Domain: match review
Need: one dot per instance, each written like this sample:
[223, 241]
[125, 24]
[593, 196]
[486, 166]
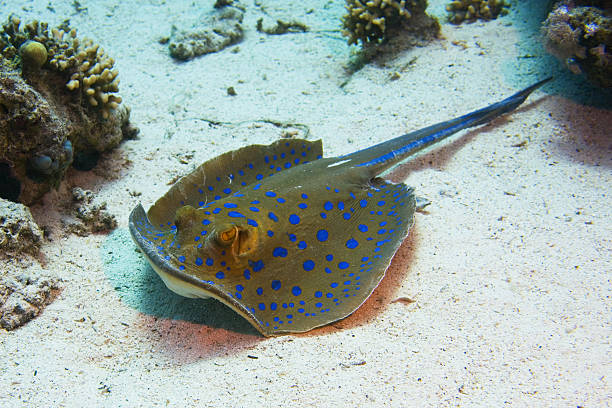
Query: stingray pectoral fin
[224, 175]
[183, 282]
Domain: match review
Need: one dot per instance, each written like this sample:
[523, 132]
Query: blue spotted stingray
[288, 239]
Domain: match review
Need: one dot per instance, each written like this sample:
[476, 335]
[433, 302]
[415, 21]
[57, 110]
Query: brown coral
[372, 21]
[470, 10]
[581, 37]
[89, 70]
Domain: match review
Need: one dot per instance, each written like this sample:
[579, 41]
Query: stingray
[286, 238]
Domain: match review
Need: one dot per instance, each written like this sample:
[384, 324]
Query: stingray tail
[385, 155]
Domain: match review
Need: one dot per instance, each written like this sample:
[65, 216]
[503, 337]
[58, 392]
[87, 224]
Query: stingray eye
[227, 236]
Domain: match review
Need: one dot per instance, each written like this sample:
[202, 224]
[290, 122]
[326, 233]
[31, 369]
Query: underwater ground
[499, 296]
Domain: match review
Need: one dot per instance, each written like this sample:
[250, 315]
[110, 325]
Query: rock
[19, 233]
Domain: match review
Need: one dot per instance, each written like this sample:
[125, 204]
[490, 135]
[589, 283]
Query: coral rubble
[89, 216]
[471, 10]
[216, 30]
[24, 296]
[55, 113]
[19, 233]
[375, 21]
[579, 33]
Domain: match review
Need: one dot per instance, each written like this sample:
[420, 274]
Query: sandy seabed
[509, 268]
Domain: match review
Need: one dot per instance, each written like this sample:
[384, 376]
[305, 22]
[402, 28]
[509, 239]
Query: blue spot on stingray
[272, 216]
[270, 194]
[303, 206]
[302, 245]
[273, 306]
[239, 288]
[205, 222]
[230, 205]
[352, 243]
[343, 265]
[220, 275]
[216, 211]
[258, 177]
[252, 222]
[322, 235]
[296, 290]
[254, 209]
[198, 261]
[318, 294]
[363, 228]
[235, 214]
[323, 215]
[381, 203]
[181, 259]
[257, 266]
[329, 257]
[279, 252]
[227, 190]
[304, 196]
[247, 274]
[341, 205]
[292, 237]
[294, 219]
[346, 216]
[308, 265]
[276, 284]
[334, 285]
[197, 238]
[281, 200]
[259, 291]
[270, 233]
[209, 261]
[262, 306]
[328, 205]
[318, 304]
[210, 188]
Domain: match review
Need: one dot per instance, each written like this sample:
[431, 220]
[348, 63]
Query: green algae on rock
[472, 10]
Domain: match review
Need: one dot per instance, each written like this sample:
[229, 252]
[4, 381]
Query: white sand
[510, 269]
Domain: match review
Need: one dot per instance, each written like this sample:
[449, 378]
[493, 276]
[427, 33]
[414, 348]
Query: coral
[23, 297]
[581, 37]
[19, 233]
[375, 21]
[33, 54]
[42, 131]
[88, 71]
[215, 31]
[471, 10]
[90, 217]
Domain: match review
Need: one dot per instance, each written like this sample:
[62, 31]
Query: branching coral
[90, 72]
[370, 21]
[470, 10]
[581, 36]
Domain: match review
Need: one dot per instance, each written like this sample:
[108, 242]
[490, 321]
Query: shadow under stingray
[141, 288]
